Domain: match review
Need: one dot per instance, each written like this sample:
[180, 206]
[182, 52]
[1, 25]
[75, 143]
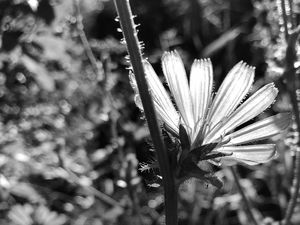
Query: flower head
[212, 121]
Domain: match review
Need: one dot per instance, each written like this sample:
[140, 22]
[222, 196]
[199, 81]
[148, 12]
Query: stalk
[244, 197]
[290, 74]
[284, 18]
[130, 35]
[96, 66]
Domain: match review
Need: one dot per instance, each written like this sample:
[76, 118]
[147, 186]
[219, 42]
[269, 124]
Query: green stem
[130, 35]
[244, 197]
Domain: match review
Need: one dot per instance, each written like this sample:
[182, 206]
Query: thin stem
[290, 74]
[75, 179]
[99, 74]
[285, 18]
[244, 197]
[130, 35]
[132, 192]
[96, 66]
[292, 15]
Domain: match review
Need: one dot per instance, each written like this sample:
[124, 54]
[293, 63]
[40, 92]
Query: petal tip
[245, 66]
[166, 54]
[272, 88]
[146, 63]
[170, 56]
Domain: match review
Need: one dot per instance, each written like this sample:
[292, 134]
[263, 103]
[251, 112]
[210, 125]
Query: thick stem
[130, 35]
[248, 207]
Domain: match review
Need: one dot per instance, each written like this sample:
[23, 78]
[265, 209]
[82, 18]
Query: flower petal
[201, 83]
[162, 101]
[263, 129]
[232, 91]
[249, 154]
[252, 107]
[177, 80]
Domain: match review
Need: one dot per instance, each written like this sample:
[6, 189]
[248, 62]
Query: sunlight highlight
[214, 120]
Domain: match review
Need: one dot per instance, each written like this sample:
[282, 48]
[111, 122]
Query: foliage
[74, 149]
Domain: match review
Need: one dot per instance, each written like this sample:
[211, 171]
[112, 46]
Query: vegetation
[75, 149]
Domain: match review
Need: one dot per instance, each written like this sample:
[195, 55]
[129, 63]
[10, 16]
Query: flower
[211, 119]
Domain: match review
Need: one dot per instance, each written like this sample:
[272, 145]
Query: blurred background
[75, 149]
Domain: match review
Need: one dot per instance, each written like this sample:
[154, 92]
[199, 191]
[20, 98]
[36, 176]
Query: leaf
[113, 213]
[200, 152]
[221, 42]
[54, 48]
[44, 216]
[184, 138]
[26, 191]
[39, 72]
[21, 214]
[216, 155]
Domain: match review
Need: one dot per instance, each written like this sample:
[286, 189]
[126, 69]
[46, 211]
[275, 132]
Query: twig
[290, 74]
[75, 179]
[285, 19]
[101, 196]
[130, 35]
[244, 197]
[292, 15]
[96, 65]
[99, 74]
[132, 192]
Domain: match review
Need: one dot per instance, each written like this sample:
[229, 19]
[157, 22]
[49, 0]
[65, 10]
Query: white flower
[209, 119]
